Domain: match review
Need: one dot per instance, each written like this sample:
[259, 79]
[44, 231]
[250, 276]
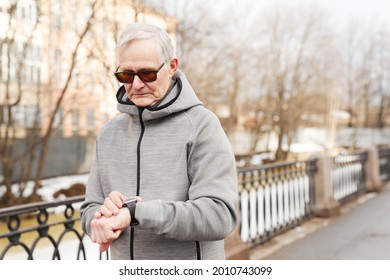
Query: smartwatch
[130, 203]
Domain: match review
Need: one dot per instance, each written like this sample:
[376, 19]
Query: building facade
[58, 59]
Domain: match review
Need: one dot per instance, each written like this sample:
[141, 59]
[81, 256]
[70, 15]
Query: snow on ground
[50, 186]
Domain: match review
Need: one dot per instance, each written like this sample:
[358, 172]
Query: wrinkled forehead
[139, 46]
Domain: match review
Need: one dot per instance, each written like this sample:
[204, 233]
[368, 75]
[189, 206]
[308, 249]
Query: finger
[117, 198]
[104, 246]
[112, 204]
[93, 230]
[97, 215]
[117, 233]
[105, 211]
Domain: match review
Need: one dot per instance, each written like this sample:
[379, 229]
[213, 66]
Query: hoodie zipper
[140, 110]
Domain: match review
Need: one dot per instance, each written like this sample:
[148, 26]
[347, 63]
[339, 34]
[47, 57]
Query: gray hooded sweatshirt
[177, 157]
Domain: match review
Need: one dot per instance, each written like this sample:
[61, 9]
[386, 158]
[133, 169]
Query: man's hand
[110, 221]
[105, 230]
[112, 204]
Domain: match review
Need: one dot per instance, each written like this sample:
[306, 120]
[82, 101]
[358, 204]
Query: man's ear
[173, 66]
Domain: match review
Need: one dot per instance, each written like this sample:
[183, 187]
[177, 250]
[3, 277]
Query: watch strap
[131, 205]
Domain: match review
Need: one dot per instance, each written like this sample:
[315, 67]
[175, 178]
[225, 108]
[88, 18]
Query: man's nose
[137, 82]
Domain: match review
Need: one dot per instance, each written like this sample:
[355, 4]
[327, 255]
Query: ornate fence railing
[384, 164]
[46, 230]
[348, 175]
[274, 198]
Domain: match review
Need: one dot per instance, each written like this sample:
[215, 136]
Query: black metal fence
[47, 230]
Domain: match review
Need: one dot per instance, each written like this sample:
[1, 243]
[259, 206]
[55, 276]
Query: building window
[22, 116]
[4, 7]
[31, 117]
[17, 115]
[75, 10]
[105, 118]
[91, 73]
[2, 114]
[27, 9]
[14, 50]
[75, 78]
[90, 120]
[4, 62]
[56, 58]
[75, 120]
[32, 64]
[56, 14]
[105, 33]
[57, 124]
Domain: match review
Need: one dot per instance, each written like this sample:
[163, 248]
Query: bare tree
[9, 133]
[215, 55]
[351, 56]
[297, 44]
[14, 73]
[366, 58]
[47, 135]
[383, 90]
[281, 73]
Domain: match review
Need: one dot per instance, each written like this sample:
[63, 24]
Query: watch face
[130, 200]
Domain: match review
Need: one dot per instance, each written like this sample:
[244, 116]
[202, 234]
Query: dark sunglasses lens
[125, 77]
[147, 77]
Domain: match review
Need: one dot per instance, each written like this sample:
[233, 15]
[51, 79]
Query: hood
[180, 97]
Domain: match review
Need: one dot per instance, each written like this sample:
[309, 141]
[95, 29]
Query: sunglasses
[146, 76]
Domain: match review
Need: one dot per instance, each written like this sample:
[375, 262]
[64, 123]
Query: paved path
[362, 231]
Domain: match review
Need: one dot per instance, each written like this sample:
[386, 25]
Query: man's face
[141, 55]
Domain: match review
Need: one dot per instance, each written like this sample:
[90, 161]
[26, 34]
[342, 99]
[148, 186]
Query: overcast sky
[359, 8]
[364, 9]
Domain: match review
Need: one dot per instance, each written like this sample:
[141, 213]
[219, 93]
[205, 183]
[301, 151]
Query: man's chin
[143, 102]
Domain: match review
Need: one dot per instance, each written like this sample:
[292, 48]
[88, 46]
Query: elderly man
[163, 184]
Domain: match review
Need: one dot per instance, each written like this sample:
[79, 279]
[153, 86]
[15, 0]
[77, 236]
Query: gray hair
[135, 31]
